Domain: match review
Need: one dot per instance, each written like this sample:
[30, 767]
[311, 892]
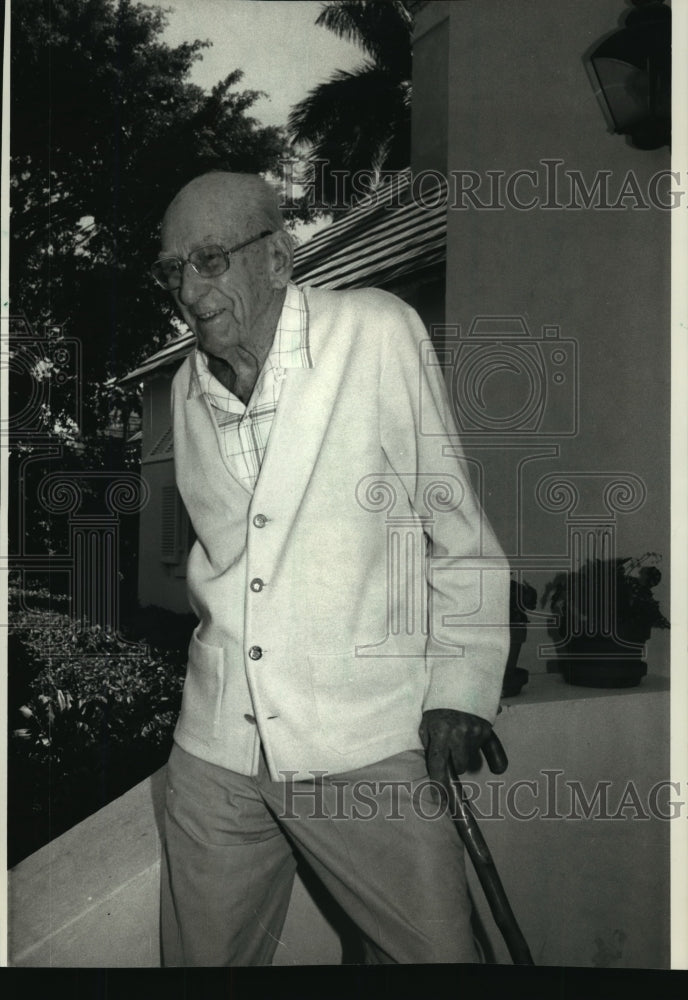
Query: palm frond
[360, 120]
[354, 122]
[382, 29]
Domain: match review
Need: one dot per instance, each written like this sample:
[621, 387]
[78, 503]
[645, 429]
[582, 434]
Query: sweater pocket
[202, 697]
[362, 700]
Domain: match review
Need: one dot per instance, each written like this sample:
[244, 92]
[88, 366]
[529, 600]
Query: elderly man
[310, 432]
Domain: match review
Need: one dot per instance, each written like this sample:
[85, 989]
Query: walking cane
[479, 853]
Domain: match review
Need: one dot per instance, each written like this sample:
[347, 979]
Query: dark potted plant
[605, 613]
[522, 598]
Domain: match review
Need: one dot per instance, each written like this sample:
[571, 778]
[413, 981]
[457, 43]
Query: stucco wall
[429, 107]
[519, 95]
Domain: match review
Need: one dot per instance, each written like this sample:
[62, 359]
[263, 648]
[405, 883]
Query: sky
[275, 42]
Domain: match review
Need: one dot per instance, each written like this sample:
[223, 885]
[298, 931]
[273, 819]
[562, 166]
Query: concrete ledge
[90, 898]
[586, 891]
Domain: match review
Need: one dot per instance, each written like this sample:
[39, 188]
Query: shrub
[96, 717]
[95, 687]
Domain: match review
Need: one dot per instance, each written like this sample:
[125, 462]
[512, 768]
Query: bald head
[240, 203]
[236, 310]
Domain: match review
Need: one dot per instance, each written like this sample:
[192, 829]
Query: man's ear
[281, 258]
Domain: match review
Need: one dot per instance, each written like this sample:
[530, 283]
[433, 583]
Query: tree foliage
[106, 127]
[360, 120]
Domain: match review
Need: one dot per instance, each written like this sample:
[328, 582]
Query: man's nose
[191, 285]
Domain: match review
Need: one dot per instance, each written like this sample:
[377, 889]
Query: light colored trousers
[229, 863]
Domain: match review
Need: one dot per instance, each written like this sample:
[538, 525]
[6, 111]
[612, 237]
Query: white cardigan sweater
[384, 591]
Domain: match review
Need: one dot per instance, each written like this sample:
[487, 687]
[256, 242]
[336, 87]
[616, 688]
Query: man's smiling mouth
[203, 317]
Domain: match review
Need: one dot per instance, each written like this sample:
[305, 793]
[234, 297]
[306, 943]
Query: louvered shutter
[170, 526]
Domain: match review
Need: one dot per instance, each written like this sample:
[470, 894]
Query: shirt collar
[290, 347]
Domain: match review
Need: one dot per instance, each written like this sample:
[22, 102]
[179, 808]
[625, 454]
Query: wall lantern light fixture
[633, 67]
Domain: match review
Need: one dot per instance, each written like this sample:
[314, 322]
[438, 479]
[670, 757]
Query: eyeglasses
[208, 261]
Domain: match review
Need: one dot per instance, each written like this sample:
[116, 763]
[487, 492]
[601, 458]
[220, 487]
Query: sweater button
[256, 585]
[260, 520]
[255, 652]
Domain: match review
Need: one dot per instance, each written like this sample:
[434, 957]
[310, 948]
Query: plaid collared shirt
[245, 429]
